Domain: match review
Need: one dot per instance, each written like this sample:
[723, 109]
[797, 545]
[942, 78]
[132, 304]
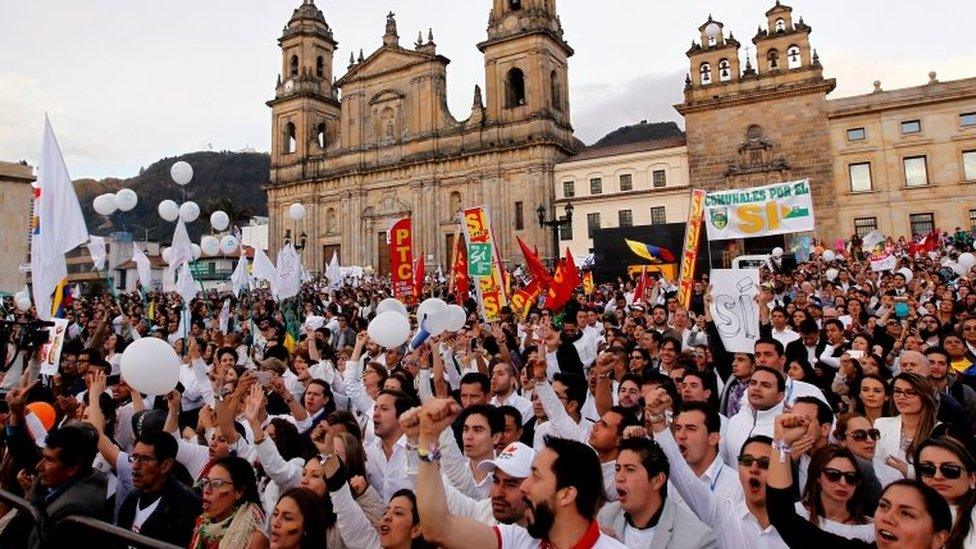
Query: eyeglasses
[861, 435]
[834, 475]
[905, 392]
[950, 471]
[133, 458]
[213, 483]
[746, 460]
[635, 357]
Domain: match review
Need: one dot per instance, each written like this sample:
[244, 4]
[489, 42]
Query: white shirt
[517, 401]
[143, 514]
[609, 470]
[722, 480]
[513, 536]
[786, 336]
[387, 475]
[743, 425]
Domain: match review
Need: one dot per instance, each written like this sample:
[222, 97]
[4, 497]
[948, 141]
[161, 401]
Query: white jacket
[741, 426]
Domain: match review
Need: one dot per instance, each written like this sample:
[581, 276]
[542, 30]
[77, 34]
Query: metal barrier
[123, 536]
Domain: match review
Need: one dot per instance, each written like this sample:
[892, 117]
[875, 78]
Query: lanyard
[711, 487]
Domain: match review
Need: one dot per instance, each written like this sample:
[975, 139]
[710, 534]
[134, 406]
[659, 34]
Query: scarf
[231, 533]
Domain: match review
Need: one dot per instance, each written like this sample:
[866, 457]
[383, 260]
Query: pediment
[385, 60]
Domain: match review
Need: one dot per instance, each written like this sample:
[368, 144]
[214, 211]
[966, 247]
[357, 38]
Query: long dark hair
[926, 421]
[418, 542]
[964, 521]
[288, 440]
[812, 492]
[314, 521]
[887, 409]
[242, 475]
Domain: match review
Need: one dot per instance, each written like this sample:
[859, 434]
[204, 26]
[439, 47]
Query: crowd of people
[620, 420]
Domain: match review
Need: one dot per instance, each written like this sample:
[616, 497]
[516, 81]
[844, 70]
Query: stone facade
[871, 145]
[379, 143]
[15, 220]
[761, 124]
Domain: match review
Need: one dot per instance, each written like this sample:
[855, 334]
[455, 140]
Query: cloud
[602, 108]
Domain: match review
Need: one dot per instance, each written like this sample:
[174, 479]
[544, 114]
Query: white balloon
[210, 245]
[168, 255]
[439, 322]
[189, 211]
[168, 210]
[391, 304]
[181, 172]
[777, 252]
[831, 274]
[229, 244]
[967, 260]
[23, 301]
[197, 251]
[829, 255]
[296, 212]
[104, 204]
[430, 308]
[458, 317]
[389, 329]
[126, 199]
[907, 273]
[219, 220]
[151, 366]
[945, 261]
[958, 268]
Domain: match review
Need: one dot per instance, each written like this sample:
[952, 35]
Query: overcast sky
[128, 82]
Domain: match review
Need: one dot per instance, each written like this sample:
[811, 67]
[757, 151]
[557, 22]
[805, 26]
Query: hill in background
[229, 181]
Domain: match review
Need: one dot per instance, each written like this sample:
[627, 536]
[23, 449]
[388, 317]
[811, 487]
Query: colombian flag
[655, 254]
[62, 298]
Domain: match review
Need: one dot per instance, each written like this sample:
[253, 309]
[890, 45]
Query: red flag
[641, 287]
[566, 280]
[460, 283]
[523, 298]
[534, 265]
[932, 241]
[418, 276]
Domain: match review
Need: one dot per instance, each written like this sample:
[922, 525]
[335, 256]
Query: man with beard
[644, 516]
[161, 507]
[736, 524]
[605, 439]
[561, 494]
[659, 323]
[503, 384]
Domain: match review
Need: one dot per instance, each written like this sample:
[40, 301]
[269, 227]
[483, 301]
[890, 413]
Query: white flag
[182, 248]
[58, 226]
[223, 318]
[263, 269]
[143, 266]
[185, 286]
[96, 247]
[239, 277]
[334, 272]
[289, 269]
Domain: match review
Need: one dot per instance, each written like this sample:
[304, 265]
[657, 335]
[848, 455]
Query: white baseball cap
[515, 460]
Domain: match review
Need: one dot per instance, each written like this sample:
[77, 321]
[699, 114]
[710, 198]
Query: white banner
[734, 309]
[883, 263]
[759, 211]
[50, 353]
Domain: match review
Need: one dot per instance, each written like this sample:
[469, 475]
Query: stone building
[905, 159]
[16, 196]
[379, 143]
[638, 178]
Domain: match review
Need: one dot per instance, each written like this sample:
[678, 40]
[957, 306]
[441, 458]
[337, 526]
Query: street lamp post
[303, 240]
[556, 223]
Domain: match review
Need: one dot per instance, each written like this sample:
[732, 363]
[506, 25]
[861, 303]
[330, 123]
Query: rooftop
[931, 92]
[635, 138]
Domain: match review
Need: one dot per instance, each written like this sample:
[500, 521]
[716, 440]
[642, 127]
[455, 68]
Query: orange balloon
[44, 412]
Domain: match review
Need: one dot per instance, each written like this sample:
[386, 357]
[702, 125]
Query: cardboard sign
[734, 309]
[50, 353]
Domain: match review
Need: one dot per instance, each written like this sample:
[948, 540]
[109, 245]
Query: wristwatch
[431, 454]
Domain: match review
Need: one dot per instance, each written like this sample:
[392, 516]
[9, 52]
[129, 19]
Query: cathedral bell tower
[305, 110]
[526, 63]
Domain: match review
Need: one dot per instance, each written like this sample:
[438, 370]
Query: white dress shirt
[517, 401]
[387, 475]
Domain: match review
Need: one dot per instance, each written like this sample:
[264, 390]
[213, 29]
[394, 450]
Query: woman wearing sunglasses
[855, 433]
[834, 494]
[947, 466]
[914, 399]
[910, 514]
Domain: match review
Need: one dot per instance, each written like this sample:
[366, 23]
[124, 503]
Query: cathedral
[377, 143]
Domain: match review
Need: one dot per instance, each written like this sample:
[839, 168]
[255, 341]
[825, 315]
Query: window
[772, 60]
[566, 231]
[972, 220]
[294, 65]
[856, 134]
[864, 225]
[455, 203]
[320, 135]
[519, 217]
[967, 119]
[515, 88]
[921, 224]
[658, 215]
[626, 182]
[596, 185]
[320, 66]
[554, 91]
[969, 165]
[569, 189]
[705, 71]
[659, 178]
[592, 223]
[724, 70]
[911, 126]
[793, 58]
[290, 138]
[780, 25]
[860, 177]
[916, 174]
[514, 5]
[625, 218]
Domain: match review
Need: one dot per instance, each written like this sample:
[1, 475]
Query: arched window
[290, 142]
[294, 65]
[772, 59]
[780, 25]
[320, 135]
[712, 40]
[793, 58]
[455, 203]
[554, 89]
[514, 5]
[320, 67]
[724, 70]
[515, 88]
[706, 74]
